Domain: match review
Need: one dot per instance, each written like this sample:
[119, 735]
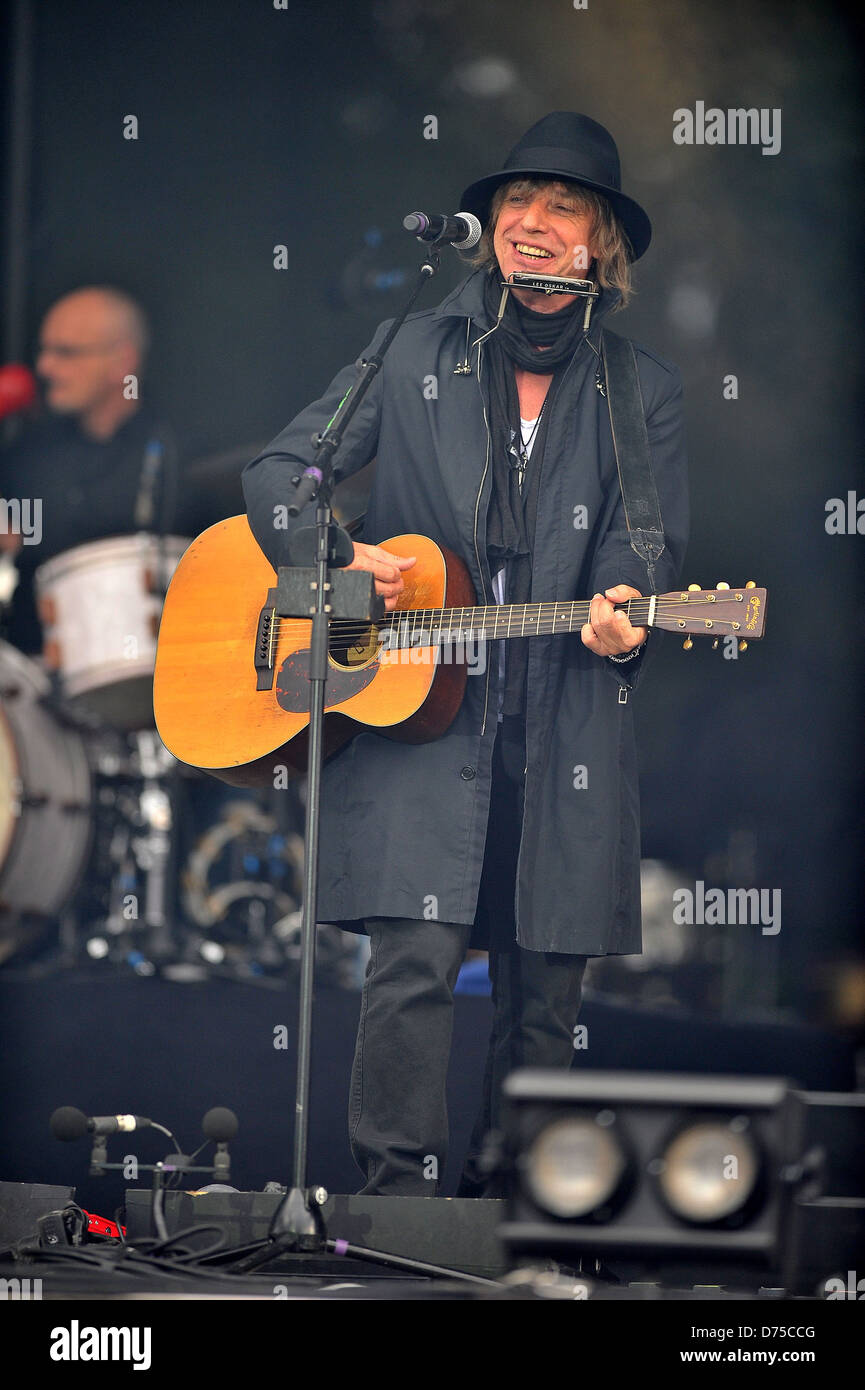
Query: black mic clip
[98, 1156]
[221, 1163]
[306, 488]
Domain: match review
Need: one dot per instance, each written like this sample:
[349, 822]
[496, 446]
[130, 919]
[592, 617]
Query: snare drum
[100, 606]
[45, 800]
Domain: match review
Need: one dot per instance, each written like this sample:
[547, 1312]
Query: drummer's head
[91, 342]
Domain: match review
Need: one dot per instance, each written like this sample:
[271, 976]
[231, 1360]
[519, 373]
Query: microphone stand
[298, 1222]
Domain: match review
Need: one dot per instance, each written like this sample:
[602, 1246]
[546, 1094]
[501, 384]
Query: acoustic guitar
[231, 687]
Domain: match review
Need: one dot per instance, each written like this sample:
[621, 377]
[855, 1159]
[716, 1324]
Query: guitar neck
[503, 620]
[720, 612]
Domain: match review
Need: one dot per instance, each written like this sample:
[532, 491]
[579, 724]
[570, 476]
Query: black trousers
[398, 1122]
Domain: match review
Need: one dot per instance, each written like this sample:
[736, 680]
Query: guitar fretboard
[501, 620]
[714, 612]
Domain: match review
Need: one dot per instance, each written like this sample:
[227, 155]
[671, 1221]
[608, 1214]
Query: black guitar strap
[631, 445]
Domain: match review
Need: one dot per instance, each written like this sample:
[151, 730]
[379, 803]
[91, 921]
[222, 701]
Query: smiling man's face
[542, 227]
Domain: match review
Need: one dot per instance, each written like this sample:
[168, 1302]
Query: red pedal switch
[101, 1226]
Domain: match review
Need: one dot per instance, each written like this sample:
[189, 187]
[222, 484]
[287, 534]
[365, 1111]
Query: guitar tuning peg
[750, 584]
[693, 588]
[743, 646]
[687, 644]
[721, 585]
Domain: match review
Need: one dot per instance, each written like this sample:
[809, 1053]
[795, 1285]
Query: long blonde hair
[612, 264]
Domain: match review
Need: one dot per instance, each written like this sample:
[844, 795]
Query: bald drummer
[99, 462]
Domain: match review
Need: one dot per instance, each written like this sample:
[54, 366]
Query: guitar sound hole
[353, 645]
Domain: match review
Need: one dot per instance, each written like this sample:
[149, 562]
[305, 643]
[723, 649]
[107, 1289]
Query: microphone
[219, 1124]
[462, 229]
[17, 389]
[68, 1123]
[145, 502]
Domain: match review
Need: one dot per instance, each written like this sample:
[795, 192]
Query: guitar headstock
[716, 613]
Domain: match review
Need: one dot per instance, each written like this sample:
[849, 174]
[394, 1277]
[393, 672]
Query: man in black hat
[517, 830]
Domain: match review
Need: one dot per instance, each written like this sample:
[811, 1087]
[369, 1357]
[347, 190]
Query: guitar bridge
[265, 646]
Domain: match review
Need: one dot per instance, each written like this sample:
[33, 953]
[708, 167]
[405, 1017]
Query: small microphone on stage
[462, 229]
[68, 1123]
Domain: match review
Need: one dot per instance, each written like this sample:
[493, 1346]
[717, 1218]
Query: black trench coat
[404, 826]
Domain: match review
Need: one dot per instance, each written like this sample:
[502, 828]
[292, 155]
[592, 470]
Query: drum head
[100, 605]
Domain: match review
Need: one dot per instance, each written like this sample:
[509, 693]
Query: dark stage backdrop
[307, 124]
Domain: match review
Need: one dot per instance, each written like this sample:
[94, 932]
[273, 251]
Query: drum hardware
[89, 834]
[76, 740]
[136, 927]
[241, 888]
[85, 826]
[240, 881]
[152, 849]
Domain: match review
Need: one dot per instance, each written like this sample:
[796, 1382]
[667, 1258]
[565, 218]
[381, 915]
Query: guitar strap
[631, 446]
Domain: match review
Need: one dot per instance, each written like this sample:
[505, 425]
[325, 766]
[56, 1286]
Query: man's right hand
[387, 569]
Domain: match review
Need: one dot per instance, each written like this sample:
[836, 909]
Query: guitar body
[209, 710]
[231, 686]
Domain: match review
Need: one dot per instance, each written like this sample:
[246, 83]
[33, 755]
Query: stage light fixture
[683, 1173]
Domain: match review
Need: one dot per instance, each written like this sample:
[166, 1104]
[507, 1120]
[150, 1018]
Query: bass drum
[46, 795]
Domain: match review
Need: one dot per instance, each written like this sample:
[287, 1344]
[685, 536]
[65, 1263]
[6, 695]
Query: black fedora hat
[565, 145]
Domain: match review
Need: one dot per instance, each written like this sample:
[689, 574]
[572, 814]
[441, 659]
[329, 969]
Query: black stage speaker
[21, 1205]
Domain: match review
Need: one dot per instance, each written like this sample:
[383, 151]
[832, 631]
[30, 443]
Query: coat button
[467, 774]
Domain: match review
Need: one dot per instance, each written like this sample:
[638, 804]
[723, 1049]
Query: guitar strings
[343, 632]
[498, 613]
[416, 619]
[493, 616]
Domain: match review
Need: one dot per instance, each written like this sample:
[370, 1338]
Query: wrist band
[630, 656]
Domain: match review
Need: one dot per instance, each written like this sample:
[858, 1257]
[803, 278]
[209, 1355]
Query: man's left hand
[608, 631]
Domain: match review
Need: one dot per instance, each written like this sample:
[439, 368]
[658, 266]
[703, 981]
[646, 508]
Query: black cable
[150, 1249]
[129, 1262]
[172, 1137]
[239, 1254]
[158, 1212]
[145, 1259]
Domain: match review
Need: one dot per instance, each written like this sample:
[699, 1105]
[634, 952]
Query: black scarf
[512, 514]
